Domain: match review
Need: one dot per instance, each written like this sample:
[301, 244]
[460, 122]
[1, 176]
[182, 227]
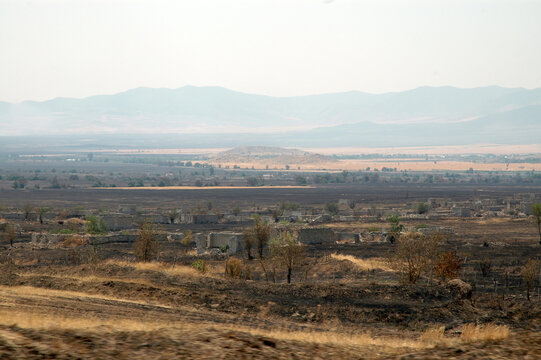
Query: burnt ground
[211, 316]
[365, 194]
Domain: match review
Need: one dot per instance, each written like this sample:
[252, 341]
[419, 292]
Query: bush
[448, 265]
[94, 225]
[200, 265]
[234, 268]
[414, 254]
[422, 208]
[331, 208]
[396, 227]
[146, 246]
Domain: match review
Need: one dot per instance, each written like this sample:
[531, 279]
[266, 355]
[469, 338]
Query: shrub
[187, 240]
[448, 265]
[414, 254]
[422, 208]
[396, 227]
[146, 246]
[200, 265]
[331, 208]
[94, 225]
[234, 268]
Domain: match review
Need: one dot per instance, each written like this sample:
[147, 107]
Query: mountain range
[215, 115]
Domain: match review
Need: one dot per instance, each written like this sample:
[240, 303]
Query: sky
[80, 48]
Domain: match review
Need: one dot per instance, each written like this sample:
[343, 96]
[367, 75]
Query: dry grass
[35, 292]
[434, 334]
[364, 264]
[34, 320]
[76, 221]
[474, 333]
[167, 269]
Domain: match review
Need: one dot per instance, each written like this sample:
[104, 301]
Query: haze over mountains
[221, 117]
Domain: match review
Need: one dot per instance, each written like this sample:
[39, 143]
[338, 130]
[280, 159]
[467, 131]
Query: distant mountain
[420, 116]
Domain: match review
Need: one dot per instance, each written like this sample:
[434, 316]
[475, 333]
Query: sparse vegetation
[95, 225]
[536, 210]
[448, 265]
[146, 247]
[396, 227]
[530, 273]
[414, 254]
[287, 251]
[488, 332]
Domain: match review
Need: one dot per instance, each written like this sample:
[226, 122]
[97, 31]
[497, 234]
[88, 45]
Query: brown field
[408, 165]
[204, 187]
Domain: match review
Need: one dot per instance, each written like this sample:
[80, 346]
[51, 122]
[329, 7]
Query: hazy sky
[275, 47]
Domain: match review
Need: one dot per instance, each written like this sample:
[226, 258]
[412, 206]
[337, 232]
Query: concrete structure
[233, 241]
[348, 237]
[462, 212]
[310, 236]
[199, 218]
[129, 209]
[117, 222]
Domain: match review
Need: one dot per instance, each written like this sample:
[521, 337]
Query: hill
[269, 155]
[212, 115]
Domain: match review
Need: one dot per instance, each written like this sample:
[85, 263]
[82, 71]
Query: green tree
[536, 209]
[331, 208]
[422, 208]
[287, 251]
[262, 232]
[301, 180]
[396, 228]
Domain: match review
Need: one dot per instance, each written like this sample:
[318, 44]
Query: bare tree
[248, 242]
[529, 273]
[287, 251]
[146, 246]
[42, 211]
[261, 234]
[27, 209]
